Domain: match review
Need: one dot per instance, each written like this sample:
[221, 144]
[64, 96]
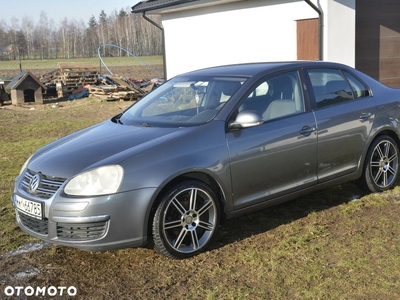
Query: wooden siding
[307, 39]
[378, 40]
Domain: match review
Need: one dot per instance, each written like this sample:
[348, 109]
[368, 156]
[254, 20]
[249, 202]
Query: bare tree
[43, 28]
[13, 38]
[81, 38]
[64, 38]
[71, 38]
[27, 25]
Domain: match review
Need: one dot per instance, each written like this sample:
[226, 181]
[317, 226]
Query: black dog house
[25, 88]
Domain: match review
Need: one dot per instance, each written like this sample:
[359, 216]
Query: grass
[335, 253]
[52, 63]
[8, 69]
[334, 244]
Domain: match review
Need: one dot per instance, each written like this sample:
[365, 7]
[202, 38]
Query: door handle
[365, 116]
[307, 130]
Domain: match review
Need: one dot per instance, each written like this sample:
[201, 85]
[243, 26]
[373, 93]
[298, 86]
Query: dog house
[25, 88]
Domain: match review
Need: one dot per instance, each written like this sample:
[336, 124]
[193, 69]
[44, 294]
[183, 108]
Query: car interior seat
[283, 102]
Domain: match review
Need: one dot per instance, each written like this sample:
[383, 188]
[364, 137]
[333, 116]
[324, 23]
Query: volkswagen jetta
[210, 144]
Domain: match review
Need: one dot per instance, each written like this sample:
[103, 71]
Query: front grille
[48, 185]
[83, 231]
[36, 225]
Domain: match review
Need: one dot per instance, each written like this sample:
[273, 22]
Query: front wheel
[382, 165]
[186, 220]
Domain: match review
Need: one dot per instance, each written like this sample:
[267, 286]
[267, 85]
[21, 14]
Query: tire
[381, 165]
[186, 220]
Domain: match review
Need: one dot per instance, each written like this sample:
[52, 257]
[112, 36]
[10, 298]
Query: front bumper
[93, 224]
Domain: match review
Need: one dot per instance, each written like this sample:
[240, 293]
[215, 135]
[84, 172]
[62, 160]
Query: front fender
[203, 150]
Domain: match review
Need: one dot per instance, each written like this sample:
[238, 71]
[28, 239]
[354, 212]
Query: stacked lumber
[74, 75]
[70, 77]
[117, 88]
[49, 77]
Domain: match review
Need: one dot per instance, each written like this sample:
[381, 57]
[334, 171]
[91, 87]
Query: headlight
[25, 164]
[99, 181]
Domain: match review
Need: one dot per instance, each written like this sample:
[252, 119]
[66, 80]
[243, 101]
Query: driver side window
[276, 97]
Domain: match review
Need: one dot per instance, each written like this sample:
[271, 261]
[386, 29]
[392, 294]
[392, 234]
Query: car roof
[252, 69]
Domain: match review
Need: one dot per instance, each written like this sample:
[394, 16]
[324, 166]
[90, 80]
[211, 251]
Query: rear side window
[329, 87]
[360, 89]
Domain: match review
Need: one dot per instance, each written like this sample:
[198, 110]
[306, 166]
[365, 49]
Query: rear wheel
[381, 165]
[186, 220]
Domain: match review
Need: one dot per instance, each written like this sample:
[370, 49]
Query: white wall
[340, 32]
[248, 31]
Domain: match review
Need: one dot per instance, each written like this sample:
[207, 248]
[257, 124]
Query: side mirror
[245, 119]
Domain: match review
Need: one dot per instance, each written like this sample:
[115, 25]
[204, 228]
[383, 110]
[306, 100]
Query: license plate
[31, 208]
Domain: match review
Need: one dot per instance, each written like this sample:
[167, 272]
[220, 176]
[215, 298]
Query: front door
[280, 156]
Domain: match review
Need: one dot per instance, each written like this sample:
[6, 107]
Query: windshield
[182, 101]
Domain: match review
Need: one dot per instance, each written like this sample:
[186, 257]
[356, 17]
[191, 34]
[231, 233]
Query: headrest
[229, 88]
[334, 86]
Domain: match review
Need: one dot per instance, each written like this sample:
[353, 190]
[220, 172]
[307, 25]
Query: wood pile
[74, 75]
[70, 77]
[117, 88]
[49, 78]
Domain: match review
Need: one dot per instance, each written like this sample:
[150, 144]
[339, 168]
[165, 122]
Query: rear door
[344, 110]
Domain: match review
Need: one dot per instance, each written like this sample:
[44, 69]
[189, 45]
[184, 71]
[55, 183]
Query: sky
[58, 10]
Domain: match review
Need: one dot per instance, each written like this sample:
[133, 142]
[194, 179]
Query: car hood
[102, 144]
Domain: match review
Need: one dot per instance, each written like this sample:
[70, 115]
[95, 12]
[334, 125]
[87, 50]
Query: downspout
[163, 41]
[320, 29]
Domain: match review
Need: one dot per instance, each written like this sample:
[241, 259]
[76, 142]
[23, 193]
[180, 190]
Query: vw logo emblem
[35, 182]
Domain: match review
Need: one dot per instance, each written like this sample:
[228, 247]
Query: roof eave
[158, 6]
